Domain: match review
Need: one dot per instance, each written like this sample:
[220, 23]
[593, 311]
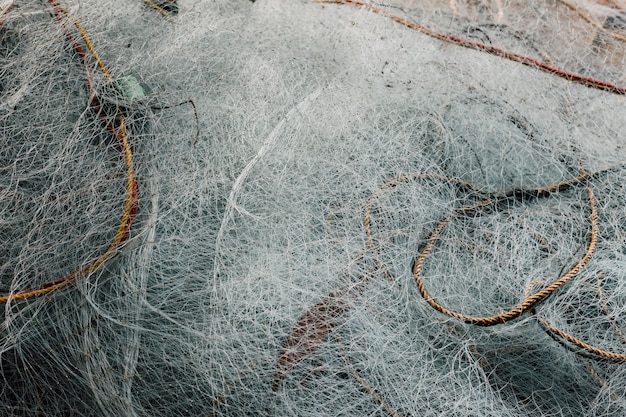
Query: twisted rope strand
[510, 55]
[132, 190]
[518, 194]
[583, 345]
[528, 302]
[367, 219]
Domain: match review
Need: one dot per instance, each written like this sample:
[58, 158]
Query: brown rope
[367, 218]
[490, 200]
[529, 301]
[558, 333]
[583, 345]
[318, 322]
[510, 55]
[519, 193]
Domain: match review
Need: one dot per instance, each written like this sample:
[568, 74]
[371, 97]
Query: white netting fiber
[312, 208]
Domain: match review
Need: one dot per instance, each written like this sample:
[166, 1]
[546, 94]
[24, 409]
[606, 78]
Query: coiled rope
[488, 201]
[530, 301]
[492, 50]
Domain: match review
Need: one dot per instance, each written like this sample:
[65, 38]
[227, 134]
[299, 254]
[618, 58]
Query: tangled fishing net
[312, 208]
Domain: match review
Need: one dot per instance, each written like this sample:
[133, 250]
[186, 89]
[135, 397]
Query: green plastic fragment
[129, 88]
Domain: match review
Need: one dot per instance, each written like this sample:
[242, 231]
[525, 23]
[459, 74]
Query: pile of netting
[306, 208]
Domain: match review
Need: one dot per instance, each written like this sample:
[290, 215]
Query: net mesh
[236, 208]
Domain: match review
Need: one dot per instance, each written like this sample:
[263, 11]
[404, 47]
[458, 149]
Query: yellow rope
[129, 204]
[83, 33]
[489, 200]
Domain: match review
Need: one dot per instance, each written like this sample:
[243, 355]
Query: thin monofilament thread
[605, 307]
[528, 302]
[367, 218]
[581, 344]
[512, 56]
[317, 323]
[271, 271]
[592, 22]
[299, 335]
[58, 7]
[269, 142]
[366, 387]
[557, 333]
[131, 201]
[156, 7]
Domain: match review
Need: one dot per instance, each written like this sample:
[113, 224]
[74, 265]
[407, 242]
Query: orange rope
[513, 56]
[131, 201]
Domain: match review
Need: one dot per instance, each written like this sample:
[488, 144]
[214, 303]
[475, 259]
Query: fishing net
[305, 208]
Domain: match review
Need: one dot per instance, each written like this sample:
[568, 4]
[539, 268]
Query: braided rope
[583, 345]
[518, 193]
[367, 219]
